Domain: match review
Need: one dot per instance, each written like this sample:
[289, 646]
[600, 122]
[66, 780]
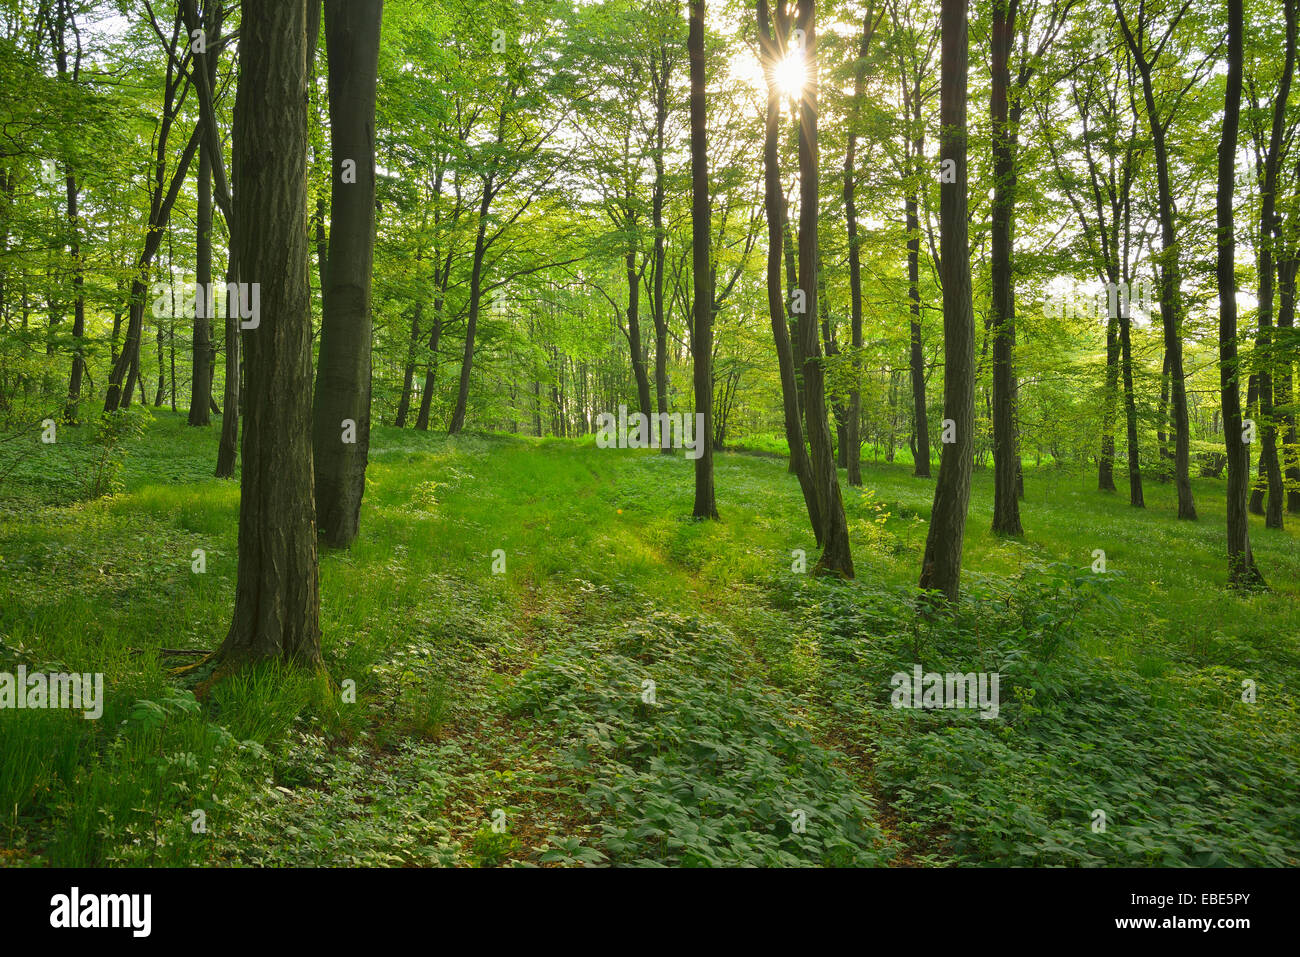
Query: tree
[1242, 571]
[277, 596]
[1005, 118]
[941, 566]
[1102, 197]
[341, 407]
[870, 21]
[772, 44]
[163, 193]
[1269, 463]
[914, 59]
[1006, 105]
[63, 19]
[201, 351]
[210, 137]
[1171, 306]
[706, 505]
[836, 557]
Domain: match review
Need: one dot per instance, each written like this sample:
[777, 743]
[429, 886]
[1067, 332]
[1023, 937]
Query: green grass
[523, 692]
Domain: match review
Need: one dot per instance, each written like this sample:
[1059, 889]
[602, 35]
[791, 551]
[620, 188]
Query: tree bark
[1171, 308]
[916, 357]
[408, 370]
[1269, 462]
[706, 505]
[123, 376]
[201, 340]
[836, 557]
[774, 203]
[941, 566]
[660, 73]
[277, 597]
[1006, 503]
[1242, 571]
[343, 369]
[852, 438]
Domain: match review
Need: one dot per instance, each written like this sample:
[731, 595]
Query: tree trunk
[774, 202]
[228, 445]
[201, 340]
[706, 505]
[1171, 308]
[920, 420]
[123, 376]
[1242, 571]
[475, 300]
[1135, 498]
[1269, 462]
[341, 409]
[941, 566]
[1006, 458]
[852, 438]
[634, 332]
[1287, 268]
[277, 597]
[660, 77]
[431, 369]
[408, 370]
[836, 557]
[78, 302]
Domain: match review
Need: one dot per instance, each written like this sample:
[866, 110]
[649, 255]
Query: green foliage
[1186, 773]
[101, 474]
[711, 772]
[523, 691]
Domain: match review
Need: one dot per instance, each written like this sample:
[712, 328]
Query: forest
[610, 433]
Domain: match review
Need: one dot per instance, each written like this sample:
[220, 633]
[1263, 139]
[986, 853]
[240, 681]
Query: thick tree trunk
[1242, 571]
[341, 408]
[702, 328]
[836, 557]
[277, 597]
[774, 203]
[1006, 458]
[941, 566]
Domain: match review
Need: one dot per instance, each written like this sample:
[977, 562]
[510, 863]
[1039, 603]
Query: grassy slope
[523, 692]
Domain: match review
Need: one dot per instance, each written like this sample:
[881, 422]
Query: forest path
[606, 587]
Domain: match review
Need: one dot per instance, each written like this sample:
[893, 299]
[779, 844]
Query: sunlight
[790, 74]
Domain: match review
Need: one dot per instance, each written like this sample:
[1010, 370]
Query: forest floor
[635, 687]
